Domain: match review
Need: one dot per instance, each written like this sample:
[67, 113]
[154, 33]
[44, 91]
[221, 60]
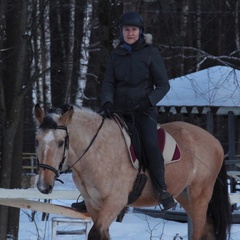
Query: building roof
[216, 87]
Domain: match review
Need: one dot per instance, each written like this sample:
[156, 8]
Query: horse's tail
[219, 209]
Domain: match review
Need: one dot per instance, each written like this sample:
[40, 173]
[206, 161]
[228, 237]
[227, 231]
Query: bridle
[66, 147]
[59, 171]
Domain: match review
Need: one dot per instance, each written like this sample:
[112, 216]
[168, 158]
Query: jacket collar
[146, 36]
[123, 48]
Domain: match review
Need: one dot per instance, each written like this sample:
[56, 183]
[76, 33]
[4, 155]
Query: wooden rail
[31, 159]
[234, 174]
[44, 207]
[23, 198]
[32, 193]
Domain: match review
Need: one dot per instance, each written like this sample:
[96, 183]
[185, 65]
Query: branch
[33, 78]
[204, 56]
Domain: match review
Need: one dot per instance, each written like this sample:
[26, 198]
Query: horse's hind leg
[196, 206]
[199, 206]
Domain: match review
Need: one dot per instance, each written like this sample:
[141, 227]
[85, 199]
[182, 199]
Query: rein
[88, 147]
[59, 171]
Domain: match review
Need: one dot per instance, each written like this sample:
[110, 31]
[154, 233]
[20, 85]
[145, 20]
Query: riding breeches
[147, 124]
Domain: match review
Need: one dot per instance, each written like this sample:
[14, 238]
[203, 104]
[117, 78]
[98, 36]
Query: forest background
[55, 52]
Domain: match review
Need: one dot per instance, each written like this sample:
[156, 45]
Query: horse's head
[51, 144]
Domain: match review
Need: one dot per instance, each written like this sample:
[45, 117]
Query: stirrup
[166, 200]
[80, 206]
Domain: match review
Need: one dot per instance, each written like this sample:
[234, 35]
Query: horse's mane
[49, 120]
[60, 110]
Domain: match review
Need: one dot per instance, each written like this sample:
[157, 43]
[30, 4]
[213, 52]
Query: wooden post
[231, 149]
[189, 228]
[210, 126]
[231, 138]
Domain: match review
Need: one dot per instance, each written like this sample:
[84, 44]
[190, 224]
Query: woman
[135, 81]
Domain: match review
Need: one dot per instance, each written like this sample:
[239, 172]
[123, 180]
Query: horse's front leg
[103, 219]
[96, 234]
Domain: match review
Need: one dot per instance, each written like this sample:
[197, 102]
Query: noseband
[66, 147]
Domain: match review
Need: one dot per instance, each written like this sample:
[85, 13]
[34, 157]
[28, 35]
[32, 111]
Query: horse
[102, 171]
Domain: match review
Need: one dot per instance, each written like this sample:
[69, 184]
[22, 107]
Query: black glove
[107, 109]
[143, 105]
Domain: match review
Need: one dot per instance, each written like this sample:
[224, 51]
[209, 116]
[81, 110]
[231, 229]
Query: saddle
[167, 144]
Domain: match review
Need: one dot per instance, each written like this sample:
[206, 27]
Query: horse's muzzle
[44, 188]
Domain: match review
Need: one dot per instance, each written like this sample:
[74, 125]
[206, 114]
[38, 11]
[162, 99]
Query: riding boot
[157, 173]
[147, 123]
[80, 206]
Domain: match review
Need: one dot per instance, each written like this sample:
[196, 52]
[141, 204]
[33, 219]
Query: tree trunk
[237, 34]
[44, 50]
[16, 174]
[2, 34]
[199, 28]
[13, 84]
[88, 9]
[220, 27]
[58, 52]
[103, 32]
[70, 55]
[184, 27]
[131, 5]
[77, 51]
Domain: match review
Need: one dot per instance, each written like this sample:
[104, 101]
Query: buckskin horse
[102, 171]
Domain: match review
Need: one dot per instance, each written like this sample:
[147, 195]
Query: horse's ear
[39, 113]
[66, 117]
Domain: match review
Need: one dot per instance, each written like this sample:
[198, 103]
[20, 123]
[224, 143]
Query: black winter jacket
[133, 76]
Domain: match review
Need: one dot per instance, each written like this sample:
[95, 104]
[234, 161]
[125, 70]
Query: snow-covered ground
[134, 226]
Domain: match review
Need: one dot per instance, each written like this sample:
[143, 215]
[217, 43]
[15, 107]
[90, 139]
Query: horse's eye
[60, 144]
[36, 143]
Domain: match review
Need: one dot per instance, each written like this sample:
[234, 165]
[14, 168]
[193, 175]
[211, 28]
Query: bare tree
[58, 15]
[2, 37]
[70, 55]
[199, 27]
[131, 5]
[66, 24]
[103, 28]
[40, 33]
[237, 26]
[14, 87]
[83, 66]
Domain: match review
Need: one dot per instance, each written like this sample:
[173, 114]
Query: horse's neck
[82, 129]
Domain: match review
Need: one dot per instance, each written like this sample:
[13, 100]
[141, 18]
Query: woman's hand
[143, 105]
[107, 109]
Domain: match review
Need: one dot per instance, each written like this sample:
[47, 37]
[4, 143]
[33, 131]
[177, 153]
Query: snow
[134, 225]
[217, 86]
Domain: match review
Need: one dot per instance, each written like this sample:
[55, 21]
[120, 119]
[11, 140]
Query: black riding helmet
[131, 19]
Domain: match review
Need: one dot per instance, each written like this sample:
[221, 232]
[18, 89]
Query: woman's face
[130, 34]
